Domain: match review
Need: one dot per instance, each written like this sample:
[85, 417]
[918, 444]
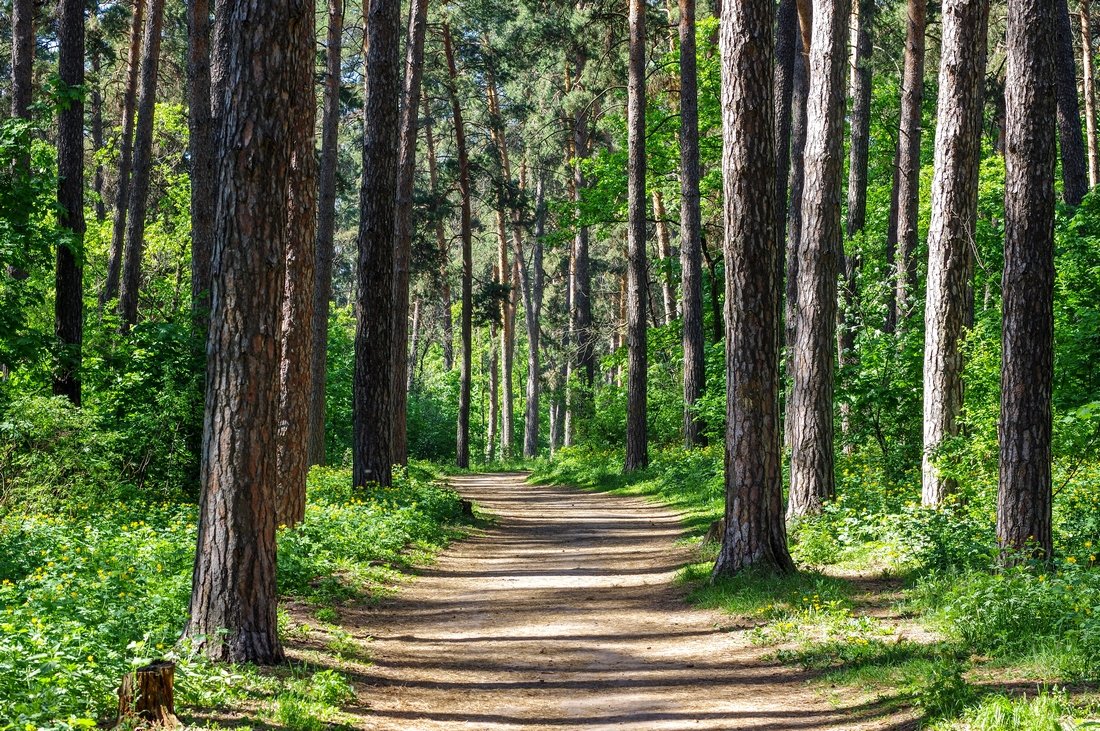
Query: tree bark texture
[442, 245]
[532, 309]
[583, 367]
[69, 275]
[326, 227]
[664, 251]
[96, 94]
[233, 596]
[800, 83]
[786, 47]
[1088, 74]
[493, 390]
[637, 453]
[466, 232]
[406, 176]
[372, 455]
[754, 534]
[691, 264]
[22, 57]
[143, 167]
[126, 153]
[812, 473]
[951, 231]
[909, 137]
[203, 158]
[296, 342]
[1027, 339]
[1075, 180]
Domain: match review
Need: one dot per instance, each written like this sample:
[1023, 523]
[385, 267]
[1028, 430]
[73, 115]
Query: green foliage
[1044, 712]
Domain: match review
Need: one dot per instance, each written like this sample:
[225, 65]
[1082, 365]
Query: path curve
[565, 614]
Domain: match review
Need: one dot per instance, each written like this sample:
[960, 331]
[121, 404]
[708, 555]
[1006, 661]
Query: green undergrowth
[87, 594]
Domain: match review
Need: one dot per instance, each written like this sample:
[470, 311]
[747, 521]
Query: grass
[86, 596]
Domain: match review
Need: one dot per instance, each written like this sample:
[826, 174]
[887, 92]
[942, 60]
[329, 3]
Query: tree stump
[716, 533]
[146, 694]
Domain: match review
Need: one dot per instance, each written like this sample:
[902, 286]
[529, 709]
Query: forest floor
[564, 612]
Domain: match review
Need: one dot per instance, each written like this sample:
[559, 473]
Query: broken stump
[146, 694]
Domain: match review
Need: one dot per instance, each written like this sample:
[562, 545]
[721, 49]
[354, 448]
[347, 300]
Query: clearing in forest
[565, 613]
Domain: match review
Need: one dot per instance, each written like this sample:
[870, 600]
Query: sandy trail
[565, 615]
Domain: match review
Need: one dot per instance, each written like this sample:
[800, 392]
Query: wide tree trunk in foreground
[203, 157]
[1088, 74]
[1075, 181]
[951, 232]
[125, 156]
[406, 175]
[296, 342]
[326, 227]
[1024, 494]
[69, 276]
[691, 257]
[909, 136]
[811, 429]
[372, 454]
[466, 233]
[637, 454]
[143, 167]
[754, 531]
[233, 598]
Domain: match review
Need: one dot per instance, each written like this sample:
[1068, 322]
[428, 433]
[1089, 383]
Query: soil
[565, 613]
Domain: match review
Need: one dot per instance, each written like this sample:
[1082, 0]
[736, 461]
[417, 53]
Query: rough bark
[909, 136]
[414, 344]
[664, 251]
[466, 233]
[786, 47]
[126, 152]
[203, 157]
[372, 455]
[811, 429]
[296, 342]
[441, 243]
[97, 128]
[691, 265]
[1088, 82]
[951, 231]
[532, 310]
[1075, 180]
[69, 275]
[1024, 494]
[143, 167]
[233, 597]
[754, 532]
[406, 175]
[326, 227]
[637, 453]
[800, 88]
[22, 57]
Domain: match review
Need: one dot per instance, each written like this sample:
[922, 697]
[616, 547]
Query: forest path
[564, 614]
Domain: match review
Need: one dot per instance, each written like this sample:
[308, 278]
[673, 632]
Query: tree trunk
[203, 158]
[22, 57]
[406, 175]
[97, 128]
[1024, 495]
[507, 328]
[578, 404]
[147, 693]
[372, 456]
[951, 231]
[69, 280]
[143, 167]
[664, 251]
[812, 473]
[233, 597]
[691, 265]
[442, 246]
[754, 532]
[786, 47]
[126, 151]
[800, 84]
[494, 392]
[296, 341]
[912, 95]
[1089, 84]
[326, 227]
[414, 344]
[1075, 181]
[637, 453]
[465, 226]
[532, 310]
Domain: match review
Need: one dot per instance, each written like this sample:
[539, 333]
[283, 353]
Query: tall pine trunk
[1088, 74]
[296, 342]
[326, 227]
[908, 158]
[372, 455]
[462, 446]
[406, 174]
[532, 310]
[233, 596]
[69, 275]
[754, 531]
[664, 252]
[1075, 180]
[951, 231]
[125, 157]
[637, 453]
[819, 251]
[203, 158]
[22, 57]
[1027, 339]
[800, 84]
[442, 246]
[96, 96]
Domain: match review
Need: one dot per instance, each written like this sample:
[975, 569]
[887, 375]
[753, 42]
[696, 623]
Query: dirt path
[565, 615]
